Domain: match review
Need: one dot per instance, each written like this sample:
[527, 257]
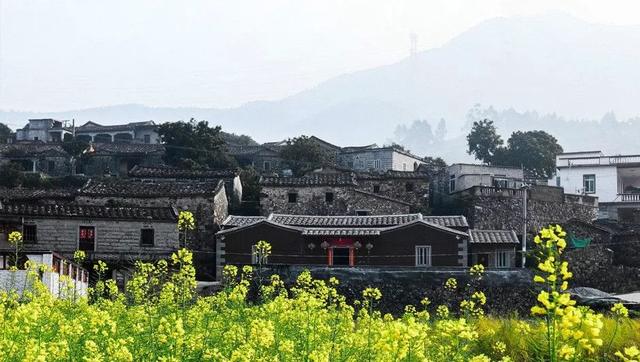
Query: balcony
[635, 197]
[620, 160]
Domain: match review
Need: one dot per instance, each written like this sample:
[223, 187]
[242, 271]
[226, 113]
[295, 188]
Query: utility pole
[525, 188]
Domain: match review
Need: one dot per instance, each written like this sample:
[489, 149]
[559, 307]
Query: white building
[373, 158]
[463, 176]
[615, 180]
[45, 130]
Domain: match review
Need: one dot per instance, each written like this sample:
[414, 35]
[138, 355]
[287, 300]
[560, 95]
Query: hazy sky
[64, 54]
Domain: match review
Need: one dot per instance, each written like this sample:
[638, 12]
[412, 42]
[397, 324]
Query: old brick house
[231, 178]
[325, 194]
[332, 191]
[111, 233]
[206, 199]
[116, 159]
[38, 157]
[408, 240]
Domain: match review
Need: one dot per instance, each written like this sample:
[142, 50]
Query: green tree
[303, 154]
[11, 175]
[535, 151]
[483, 141]
[194, 145]
[74, 146]
[5, 133]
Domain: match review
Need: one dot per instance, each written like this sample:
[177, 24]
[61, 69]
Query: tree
[483, 141]
[194, 145]
[11, 175]
[441, 131]
[74, 146]
[303, 154]
[5, 133]
[535, 151]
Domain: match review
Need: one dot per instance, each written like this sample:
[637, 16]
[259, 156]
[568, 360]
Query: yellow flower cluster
[451, 284]
[186, 221]
[15, 237]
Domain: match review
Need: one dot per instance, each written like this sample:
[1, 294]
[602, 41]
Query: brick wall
[113, 237]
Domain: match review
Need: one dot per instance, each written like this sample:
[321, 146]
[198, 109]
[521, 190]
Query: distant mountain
[551, 64]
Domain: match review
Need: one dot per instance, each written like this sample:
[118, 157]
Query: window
[362, 212]
[30, 234]
[408, 186]
[500, 183]
[502, 259]
[452, 183]
[35, 138]
[328, 197]
[376, 189]
[51, 166]
[87, 238]
[147, 138]
[147, 237]
[558, 181]
[404, 166]
[293, 197]
[423, 255]
[266, 166]
[589, 184]
[376, 164]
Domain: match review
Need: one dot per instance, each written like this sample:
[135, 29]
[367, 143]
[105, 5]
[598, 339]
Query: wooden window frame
[153, 237]
[419, 256]
[95, 236]
[25, 233]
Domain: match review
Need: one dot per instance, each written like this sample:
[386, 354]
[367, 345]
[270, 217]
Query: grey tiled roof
[173, 173]
[31, 149]
[316, 179]
[451, 221]
[138, 188]
[493, 237]
[88, 211]
[391, 174]
[341, 231]
[344, 221]
[19, 193]
[124, 148]
[233, 220]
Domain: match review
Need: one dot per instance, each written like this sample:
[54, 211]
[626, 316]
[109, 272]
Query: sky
[73, 54]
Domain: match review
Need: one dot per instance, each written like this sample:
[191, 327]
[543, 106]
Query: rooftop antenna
[414, 44]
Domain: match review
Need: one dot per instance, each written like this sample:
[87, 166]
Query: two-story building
[462, 176]
[614, 179]
[133, 132]
[44, 130]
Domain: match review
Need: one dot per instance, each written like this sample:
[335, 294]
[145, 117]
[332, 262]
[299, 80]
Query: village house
[37, 157]
[133, 132]
[614, 180]
[231, 178]
[408, 240]
[44, 130]
[206, 199]
[117, 159]
[462, 176]
[109, 233]
[378, 159]
[342, 194]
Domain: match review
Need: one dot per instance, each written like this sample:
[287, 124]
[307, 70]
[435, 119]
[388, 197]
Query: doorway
[341, 256]
[483, 259]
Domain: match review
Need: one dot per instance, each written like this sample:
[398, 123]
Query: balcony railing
[629, 197]
[598, 161]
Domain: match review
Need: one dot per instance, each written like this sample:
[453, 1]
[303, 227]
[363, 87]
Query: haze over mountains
[550, 72]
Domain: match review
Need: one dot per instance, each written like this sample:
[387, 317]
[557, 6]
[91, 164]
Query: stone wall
[313, 201]
[506, 290]
[414, 191]
[491, 208]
